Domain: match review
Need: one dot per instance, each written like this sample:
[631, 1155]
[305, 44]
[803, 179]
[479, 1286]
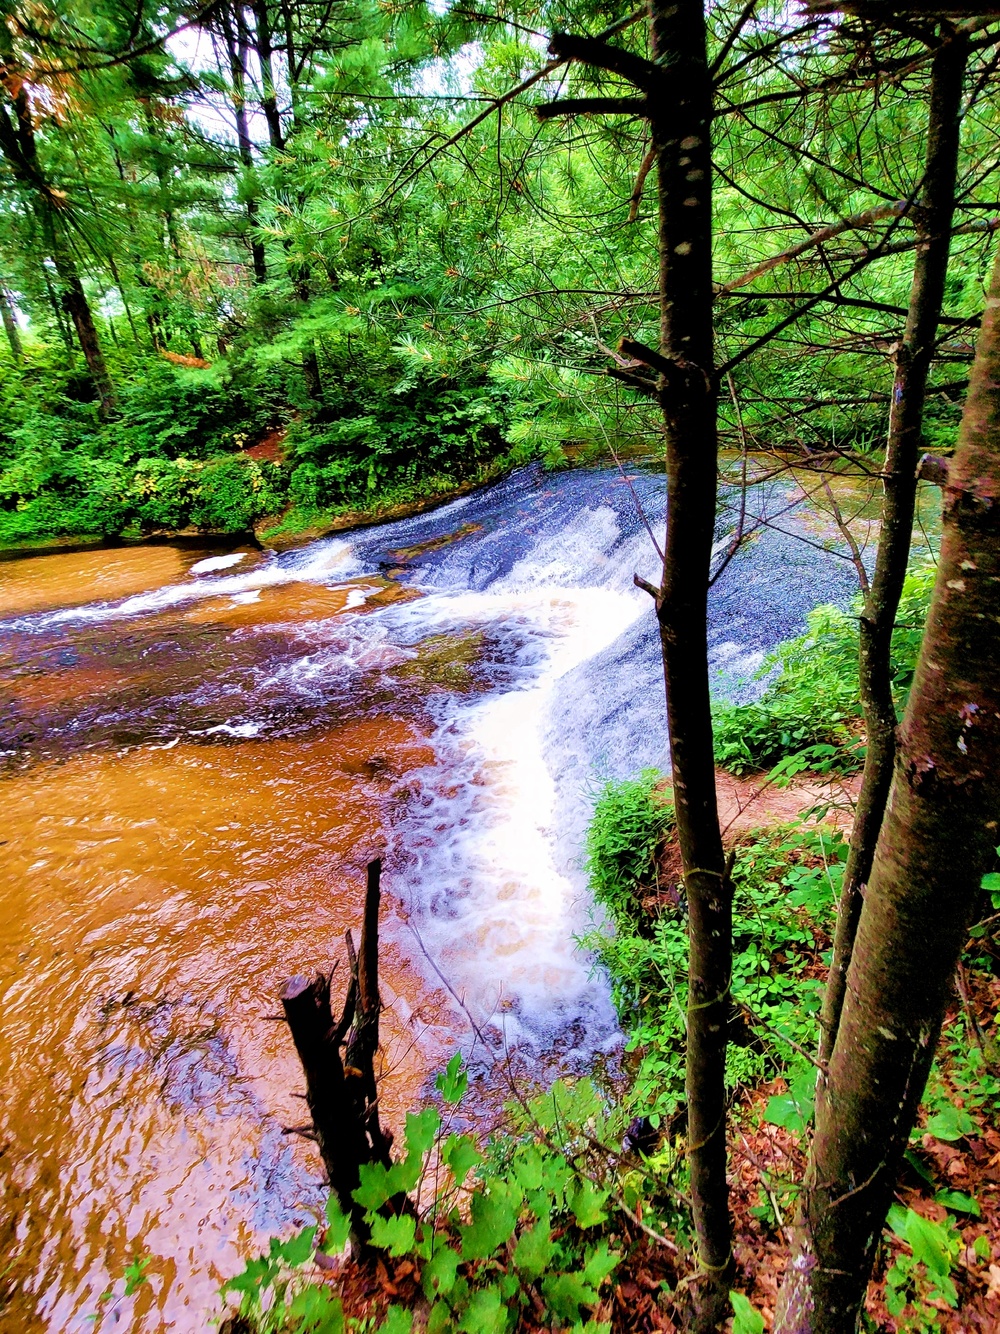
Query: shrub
[624, 837]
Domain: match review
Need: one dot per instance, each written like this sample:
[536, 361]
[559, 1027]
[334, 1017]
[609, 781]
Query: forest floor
[951, 1176]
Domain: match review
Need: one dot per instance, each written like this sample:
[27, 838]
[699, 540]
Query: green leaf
[298, 1249]
[599, 1264]
[793, 1110]
[338, 1227]
[421, 1127]
[376, 1188]
[318, 1311]
[958, 1202]
[255, 1277]
[440, 1320]
[566, 1293]
[919, 1167]
[486, 1313]
[439, 1272]
[745, 1319]
[398, 1320]
[135, 1275]
[461, 1155]
[535, 1249]
[950, 1123]
[493, 1219]
[982, 1249]
[528, 1168]
[453, 1080]
[928, 1242]
[395, 1235]
[896, 1220]
[587, 1203]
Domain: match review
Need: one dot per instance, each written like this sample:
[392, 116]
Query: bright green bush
[624, 836]
[530, 1231]
[785, 887]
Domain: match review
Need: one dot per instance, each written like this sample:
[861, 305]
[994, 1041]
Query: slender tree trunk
[10, 324]
[678, 104]
[265, 53]
[58, 314]
[73, 300]
[682, 137]
[899, 480]
[936, 841]
[236, 44]
[17, 144]
[77, 307]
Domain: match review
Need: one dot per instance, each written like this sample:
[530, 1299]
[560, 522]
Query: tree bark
[936, 841]
[342, 1094]
[678, 104]
[73, 300]
[681, 130]
[10, 324]
[338, 1131]
[899, 480]
[236, 45]
[265, 53]
[17, 144]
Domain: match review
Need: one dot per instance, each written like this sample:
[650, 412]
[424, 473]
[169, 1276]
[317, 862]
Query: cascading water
[196, 772]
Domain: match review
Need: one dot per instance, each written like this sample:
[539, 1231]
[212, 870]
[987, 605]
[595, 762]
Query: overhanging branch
[593, 106]
[602, 55]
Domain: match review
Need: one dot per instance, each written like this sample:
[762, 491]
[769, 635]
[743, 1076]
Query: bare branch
[593, 106]
[602, 55]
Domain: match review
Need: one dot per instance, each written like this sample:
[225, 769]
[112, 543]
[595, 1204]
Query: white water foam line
[320, 563]
[211, 563]
[492, 910]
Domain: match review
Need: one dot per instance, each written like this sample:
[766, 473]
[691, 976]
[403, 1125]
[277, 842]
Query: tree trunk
[58, 314]
[681, 136]
[17, 144]
[678, 104]
[73, 300]
[342, 1095]
[265, 52]
[10, 324]
[936, 841]
[236, 44]
[899, 480]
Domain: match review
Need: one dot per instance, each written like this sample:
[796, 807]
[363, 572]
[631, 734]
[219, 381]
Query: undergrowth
[575, 1217]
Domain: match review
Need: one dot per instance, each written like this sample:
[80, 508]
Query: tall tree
[914, 354]
[675, 96]
[20, 150]
[935, 843]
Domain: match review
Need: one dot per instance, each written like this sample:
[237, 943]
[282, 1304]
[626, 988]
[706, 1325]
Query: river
[203, 746]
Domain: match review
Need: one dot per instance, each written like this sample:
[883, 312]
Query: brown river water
[200, 749]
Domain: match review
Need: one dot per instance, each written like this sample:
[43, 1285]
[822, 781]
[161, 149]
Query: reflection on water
[202, 749]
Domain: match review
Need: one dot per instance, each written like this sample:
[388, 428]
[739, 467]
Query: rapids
[202, 747]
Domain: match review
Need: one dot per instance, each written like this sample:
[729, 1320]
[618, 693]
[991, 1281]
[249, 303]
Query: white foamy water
[486, 845]
[322, 562]
[493, 904]
[211, 563]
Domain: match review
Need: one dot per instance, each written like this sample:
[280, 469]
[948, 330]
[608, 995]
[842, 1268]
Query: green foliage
[745, 1319]
[786, 884]
[531, 1232]
[624, 836]
[925, 1275]
[809, 713]
[157, 466]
